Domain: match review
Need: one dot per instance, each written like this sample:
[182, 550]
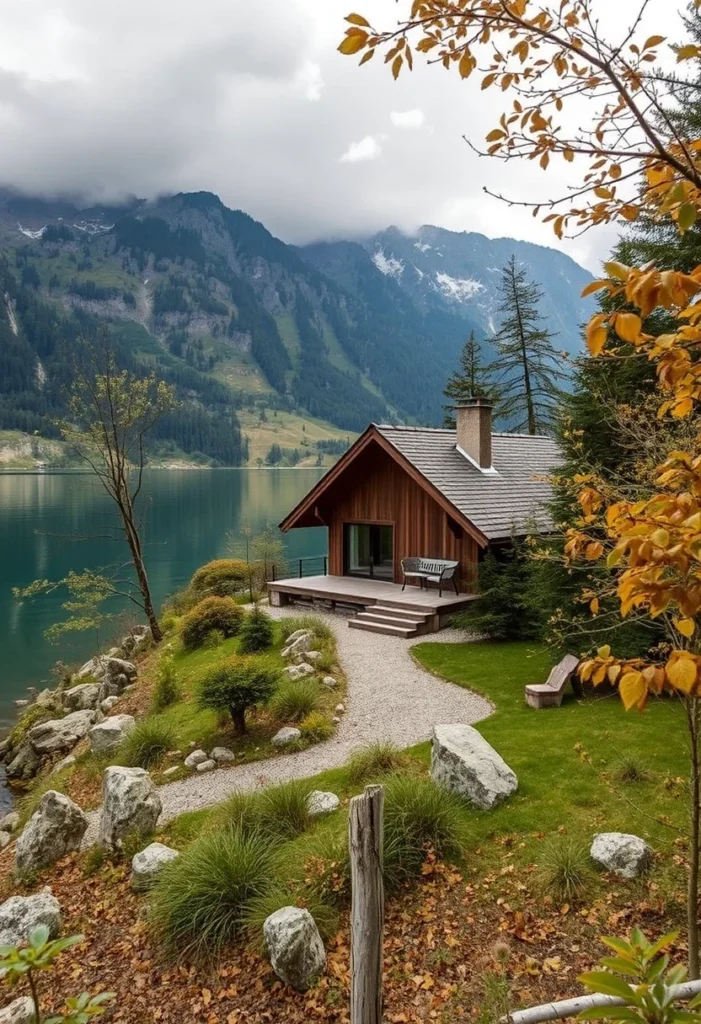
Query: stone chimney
[473, 417]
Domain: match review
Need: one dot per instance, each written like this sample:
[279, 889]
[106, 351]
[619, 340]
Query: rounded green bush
[220, 613]
[257, 632]
[294, 699]
[221, 577]
[199, 904]
[238, 684]
[146, 743]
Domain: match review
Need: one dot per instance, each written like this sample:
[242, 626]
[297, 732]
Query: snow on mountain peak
[422, 246]
[460, 289]
[388, 265]
[31, 234]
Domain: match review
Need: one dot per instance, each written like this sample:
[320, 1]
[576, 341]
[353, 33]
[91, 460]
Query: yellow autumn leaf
[353, 42]
[358, 19]
[594, 286]
[684, 626]
[632, 689]
[653, 41]
[681, 673]
[628, 326]
[594, 606]
[593, 550]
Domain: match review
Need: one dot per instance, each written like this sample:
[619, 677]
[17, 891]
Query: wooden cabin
[436, 494]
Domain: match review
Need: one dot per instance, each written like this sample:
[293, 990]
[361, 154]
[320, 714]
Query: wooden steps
[392, 619]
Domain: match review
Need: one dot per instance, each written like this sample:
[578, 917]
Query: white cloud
[311, 81]
[408, 118]
[358, 152]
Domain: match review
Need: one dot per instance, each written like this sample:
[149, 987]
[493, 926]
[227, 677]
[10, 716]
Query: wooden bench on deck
[430, 570]
[550, 693]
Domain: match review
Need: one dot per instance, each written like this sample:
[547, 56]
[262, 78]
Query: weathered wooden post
[367, 905]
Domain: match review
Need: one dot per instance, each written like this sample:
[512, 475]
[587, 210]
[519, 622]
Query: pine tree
[471, 380]
[526, 367]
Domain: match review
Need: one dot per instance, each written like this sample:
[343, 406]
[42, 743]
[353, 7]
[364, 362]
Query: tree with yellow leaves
[638, 160]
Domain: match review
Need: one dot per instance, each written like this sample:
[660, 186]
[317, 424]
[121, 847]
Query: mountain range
[260, 338]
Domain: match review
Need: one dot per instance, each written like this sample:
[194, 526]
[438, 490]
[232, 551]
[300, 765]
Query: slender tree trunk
[134, 542]
[238, 717]
[35, 996]
[526, 373]
[692, 712]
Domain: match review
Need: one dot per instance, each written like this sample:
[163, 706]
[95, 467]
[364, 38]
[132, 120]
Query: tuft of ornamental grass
[294, 699]
[199, 904]
[317, 864]
[316, 727]
[419, 818]
[290, 624]
[280, 812]
[565, 870]
[167, 689]
[279, 896]
[146, 744]
[631, 769]
[373, 761]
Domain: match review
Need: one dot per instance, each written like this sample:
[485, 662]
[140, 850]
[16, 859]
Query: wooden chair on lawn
[550, 693]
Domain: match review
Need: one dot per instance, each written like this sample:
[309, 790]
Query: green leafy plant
[220, 613]
[373, 760]
[222, 577]
[237, 685]
[167, 691]
[294, 699]
[257, 632]
[639, 976]
[17, 962]
[146, 744]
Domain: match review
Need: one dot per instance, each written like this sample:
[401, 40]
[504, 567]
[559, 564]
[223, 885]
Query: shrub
[199, 903]
[316, 727]
[166, 691]
[374, 760]
[180, 603]
[290, 624]
[215, 638]
[223, 577]
[257, 632]
[509, 605]
[146, 743]
[277, 811]
[630, 769]
[220, 613]
[565, 871]
[318, 864]
[294, 699]
[237, 685]
[419, 816]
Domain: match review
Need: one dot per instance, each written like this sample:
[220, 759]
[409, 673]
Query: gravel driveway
[389, 697]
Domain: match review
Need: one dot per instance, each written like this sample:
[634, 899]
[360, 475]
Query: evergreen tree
[526, 367]
[471, 380]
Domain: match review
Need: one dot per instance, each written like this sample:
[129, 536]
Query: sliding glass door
[368, 550]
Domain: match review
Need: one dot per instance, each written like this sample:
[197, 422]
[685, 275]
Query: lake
[51, 523]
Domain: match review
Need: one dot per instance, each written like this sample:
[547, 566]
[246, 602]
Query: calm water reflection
[188, 515]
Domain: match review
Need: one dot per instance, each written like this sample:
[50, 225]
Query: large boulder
[300, 645]
[319, 803]
[25, 763]
[288, 734]
[56, 828]
[61, 733]
[19, 1011]
[463, 762]
[20, 915]
[147, 864]
[130, 804]
[626, 855]
[81, 697]
[109, 734]
[298, 671]
[294, 946]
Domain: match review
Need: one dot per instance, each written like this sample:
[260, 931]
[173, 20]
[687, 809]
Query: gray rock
[66, 762]
[294, 945]
[22, 703]
[5, 839]
[96, 668]
[60, 733]
[108, 703]
[19, 1011]
[463, 762]
[300, 645]
[330, 682]
[48, 699]
[206, 766]
[335, 719]
[195, 758]
[56, 828]
[25, 763]
[109, 734]
[320, 802]
[296, 635]
[340, 708]
[298, 671]
[172, 770]
[626, 855]
[312, 655]
[222, 755]
[285, 735]
[20, 915]
[130, 804]
[147, 865]
[81, 697]
[10, 821]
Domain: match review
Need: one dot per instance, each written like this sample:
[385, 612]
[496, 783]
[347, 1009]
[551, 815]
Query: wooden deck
[374, 605]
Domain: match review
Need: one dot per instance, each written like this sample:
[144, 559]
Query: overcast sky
[251, 100]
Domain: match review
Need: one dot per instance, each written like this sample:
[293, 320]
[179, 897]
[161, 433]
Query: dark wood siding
[377, 490]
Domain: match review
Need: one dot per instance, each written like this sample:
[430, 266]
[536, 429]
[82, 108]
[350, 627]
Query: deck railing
[312, 565]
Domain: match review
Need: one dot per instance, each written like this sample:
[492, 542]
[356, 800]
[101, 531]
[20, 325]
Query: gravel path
[389, 697]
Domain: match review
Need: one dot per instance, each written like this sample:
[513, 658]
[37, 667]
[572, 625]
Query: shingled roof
[509, 501]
